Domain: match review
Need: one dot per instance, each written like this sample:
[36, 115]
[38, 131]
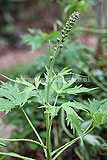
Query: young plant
[47, 93]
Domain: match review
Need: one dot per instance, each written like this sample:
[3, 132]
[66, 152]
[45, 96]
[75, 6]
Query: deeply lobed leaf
[72, 118]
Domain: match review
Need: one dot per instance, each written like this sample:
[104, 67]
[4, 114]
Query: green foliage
[72, 119]
[47, 94]
[12, 96]
[97, 110]
[69, 6]
[33, 39]
[94, 140]
[36, 40]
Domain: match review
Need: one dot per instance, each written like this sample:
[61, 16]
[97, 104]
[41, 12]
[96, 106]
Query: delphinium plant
[47, 93]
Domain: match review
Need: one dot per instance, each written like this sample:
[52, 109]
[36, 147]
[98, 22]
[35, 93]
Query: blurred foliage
[69, 6]
[8, 8]
[82, 60]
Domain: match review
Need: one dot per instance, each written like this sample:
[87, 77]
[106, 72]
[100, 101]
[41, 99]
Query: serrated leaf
[11, 96]
[34, 39]
[37, 81]
[6, 105]
[57, 84]
[76, 90]
[78, 105]
[72, 118]
[64, 72]
[12, 93]
[97, 110]
[52, 110]
[68, 83]
[24, 82]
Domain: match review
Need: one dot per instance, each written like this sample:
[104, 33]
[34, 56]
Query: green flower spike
[67, 28]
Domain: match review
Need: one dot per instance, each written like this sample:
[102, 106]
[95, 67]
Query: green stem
[64, 147]
[33, 129]
[43, 104]
[16, 155]
[48, 132]
[88, 127]
[56, 99]
[25, 140]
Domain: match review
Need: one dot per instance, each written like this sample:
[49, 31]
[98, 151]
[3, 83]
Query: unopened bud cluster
[67, 28]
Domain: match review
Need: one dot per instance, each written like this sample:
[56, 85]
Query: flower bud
[63, 31]
[61, 46]
[66, 35]
[63, 40]
[68, 30]
[63, 36]
[55, 48]
[58, 39]
[51, 58]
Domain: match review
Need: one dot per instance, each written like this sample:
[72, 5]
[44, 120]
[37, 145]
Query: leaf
[60, 87]
[34, 39]
[94, 140]
[6, 105]
[24, 82]
[13, 90]
[64, 72]
[11, 96]
[57, 84]
[20, 81]
[52, 35]
[68, 83]
[37, 81]
[72, 118]
[52, 110]
[76, 89]
[77, 105]
[97, 110]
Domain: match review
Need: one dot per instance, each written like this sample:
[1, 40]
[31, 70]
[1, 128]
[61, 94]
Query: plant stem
[43, 104]
[56, 99]
[23, 140]
[15, 155]
[65, 146]
[48, 131]
[34, 129]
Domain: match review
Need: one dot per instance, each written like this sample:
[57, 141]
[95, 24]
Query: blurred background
[26, 26]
